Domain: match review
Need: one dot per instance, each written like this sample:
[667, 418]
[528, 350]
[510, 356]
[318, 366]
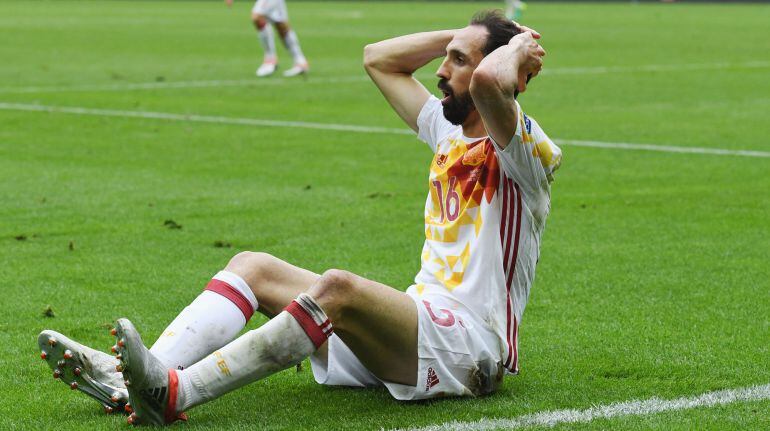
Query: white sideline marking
[350, 128]
[627, 408]
[201, 118]
[363, 78]
[654, 68]
[663, 148]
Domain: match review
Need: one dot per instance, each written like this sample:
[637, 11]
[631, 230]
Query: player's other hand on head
[525, 29]
[529, 57]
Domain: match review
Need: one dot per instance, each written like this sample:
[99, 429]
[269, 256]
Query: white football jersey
[484, 217]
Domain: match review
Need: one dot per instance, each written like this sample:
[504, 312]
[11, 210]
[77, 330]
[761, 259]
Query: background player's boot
[151, 385]
[85, 369]
[297, 69]
[267, 68]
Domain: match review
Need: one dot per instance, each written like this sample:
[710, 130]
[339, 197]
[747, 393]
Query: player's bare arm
[392, 63]
[497, 79]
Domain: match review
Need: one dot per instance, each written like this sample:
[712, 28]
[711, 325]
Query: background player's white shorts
[459, 355]
[274, 10]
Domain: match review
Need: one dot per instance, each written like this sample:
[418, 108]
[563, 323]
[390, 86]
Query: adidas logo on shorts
[432, 379]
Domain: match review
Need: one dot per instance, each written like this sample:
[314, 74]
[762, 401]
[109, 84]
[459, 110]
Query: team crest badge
[476, 155]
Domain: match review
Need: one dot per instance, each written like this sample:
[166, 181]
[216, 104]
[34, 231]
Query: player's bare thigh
[377, 322]
[275, 283]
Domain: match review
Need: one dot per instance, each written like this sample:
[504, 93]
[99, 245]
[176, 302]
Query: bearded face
[457, 106]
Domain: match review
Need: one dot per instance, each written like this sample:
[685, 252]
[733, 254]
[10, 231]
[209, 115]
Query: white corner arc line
[349, 128]
[627, 408]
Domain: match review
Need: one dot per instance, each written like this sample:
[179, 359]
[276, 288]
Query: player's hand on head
[525, 29]
[229, 3]
[529, 57]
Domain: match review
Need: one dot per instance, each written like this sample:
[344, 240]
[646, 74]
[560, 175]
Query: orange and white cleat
[84, 369]
[297, 69]
[267, 68]
[153, 388]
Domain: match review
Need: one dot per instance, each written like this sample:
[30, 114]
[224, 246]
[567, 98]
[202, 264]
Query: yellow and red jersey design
[484, 216]
[459, 180]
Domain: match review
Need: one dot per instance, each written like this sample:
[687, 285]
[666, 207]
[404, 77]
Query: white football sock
[212, 320]
[285, 340]
[268, 42]
[292, 44]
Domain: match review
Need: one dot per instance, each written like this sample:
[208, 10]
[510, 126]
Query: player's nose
[443, 71]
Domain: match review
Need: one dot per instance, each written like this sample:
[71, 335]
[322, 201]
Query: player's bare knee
[259, 21]
[334, 292]
[254, 267]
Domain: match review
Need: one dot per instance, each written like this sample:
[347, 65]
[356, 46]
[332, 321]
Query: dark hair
[500, 28]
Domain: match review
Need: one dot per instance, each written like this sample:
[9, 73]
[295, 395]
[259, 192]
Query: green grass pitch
[653, 279]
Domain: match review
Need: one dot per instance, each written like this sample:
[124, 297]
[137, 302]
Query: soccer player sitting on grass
[453, 333]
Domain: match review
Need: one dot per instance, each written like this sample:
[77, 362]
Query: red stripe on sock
[305, 320]
[173, 387]
[231, 293]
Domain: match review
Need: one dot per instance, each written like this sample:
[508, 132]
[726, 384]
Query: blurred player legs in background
[514, 9]
[265, 14]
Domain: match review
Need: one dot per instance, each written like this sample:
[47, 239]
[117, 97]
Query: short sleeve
[530, 159]
[431, 124]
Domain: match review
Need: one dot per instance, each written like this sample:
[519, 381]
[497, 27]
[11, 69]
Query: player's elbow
[483, 83]
[370, 56]
[373, 58]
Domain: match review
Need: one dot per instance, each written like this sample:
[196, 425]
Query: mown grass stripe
[351, 128]
[594, 70]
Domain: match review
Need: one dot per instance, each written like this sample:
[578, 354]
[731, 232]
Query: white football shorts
[459, 355]
[274, 10]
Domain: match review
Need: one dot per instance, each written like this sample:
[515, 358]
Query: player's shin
[267, 40]
[212, 320]
[292, 44]
[282, 342]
